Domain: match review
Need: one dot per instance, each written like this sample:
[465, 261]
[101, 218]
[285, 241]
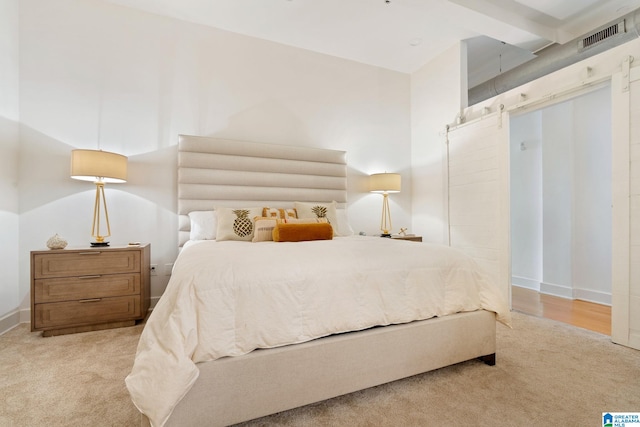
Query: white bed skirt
[235, 389]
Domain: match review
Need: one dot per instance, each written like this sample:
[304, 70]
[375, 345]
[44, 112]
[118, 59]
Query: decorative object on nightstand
[56, 242]
[385, 183]
[100, 167]
[80, 290]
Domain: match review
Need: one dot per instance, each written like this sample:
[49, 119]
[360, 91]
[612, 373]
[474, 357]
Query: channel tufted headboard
[215, 172]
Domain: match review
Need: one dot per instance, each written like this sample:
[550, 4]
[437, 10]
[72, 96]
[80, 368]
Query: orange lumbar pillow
[286, 232]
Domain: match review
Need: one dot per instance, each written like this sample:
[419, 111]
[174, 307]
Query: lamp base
[385, 235]
[99, 244]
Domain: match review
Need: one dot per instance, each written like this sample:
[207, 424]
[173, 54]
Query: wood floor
[583, 314]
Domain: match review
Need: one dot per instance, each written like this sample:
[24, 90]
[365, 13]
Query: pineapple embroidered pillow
[236, 223]
[319, 210]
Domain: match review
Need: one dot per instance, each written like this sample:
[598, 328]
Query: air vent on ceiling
[601, 35]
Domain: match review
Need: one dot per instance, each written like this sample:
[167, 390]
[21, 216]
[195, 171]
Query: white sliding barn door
[478, 193]
[625, 316]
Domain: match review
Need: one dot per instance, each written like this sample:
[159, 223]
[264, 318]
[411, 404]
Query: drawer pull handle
[95, 276]
[90, 300]
[89, 253]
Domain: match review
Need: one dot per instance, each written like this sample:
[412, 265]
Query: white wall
[592, 219]
[437, 92]
[526, 199]
[95, 73]
[9, 135]
[557, 197]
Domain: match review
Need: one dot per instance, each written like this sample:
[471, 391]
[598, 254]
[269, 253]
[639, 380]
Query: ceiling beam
[514, 25]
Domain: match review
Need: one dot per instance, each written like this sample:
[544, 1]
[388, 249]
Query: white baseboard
[592, 296]
[525, 282]
[563, 291]
[556, 290]
[25, 315]
[9, 321]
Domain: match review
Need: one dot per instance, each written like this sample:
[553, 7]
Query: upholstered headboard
[215, 172]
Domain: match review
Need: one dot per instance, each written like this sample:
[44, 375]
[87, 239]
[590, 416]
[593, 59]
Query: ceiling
[403, 35]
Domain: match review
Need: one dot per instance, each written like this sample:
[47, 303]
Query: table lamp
[385, 183]
[100, 167]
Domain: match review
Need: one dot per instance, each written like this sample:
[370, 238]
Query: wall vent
[601, 35]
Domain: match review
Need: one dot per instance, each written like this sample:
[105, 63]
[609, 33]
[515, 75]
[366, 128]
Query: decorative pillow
[203, 225]
[264, 226]
[264, 229]
[278, 213]
[284, 232]
[344, 228]
[236, 224]
[318, 210]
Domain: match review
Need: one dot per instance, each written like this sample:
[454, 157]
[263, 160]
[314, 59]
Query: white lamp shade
[92, 165]
[385, 183]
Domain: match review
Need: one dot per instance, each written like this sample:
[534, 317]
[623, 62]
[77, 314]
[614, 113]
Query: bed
[251, 327]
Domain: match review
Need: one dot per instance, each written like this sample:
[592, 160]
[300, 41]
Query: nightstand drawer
[86, 287]
[83, 263]
[88, 311]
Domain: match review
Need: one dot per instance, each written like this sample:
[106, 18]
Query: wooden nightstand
[410, 238]
[80, 290]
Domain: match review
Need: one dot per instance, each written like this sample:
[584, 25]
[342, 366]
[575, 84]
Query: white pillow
[236, 224]
[344, 228]
[319, 210]
[203, 225]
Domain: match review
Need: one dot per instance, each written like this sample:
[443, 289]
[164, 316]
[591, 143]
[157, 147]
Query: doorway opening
[560, 203]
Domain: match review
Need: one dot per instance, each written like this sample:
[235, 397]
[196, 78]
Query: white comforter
[229, 298]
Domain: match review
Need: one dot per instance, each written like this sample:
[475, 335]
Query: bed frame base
[489, 359]
[236, 389]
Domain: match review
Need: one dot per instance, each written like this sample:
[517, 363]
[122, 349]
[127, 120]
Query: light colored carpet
[546, 372]
[69, 380]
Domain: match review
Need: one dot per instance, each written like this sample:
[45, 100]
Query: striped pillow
[278, 213]
[263, 229]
